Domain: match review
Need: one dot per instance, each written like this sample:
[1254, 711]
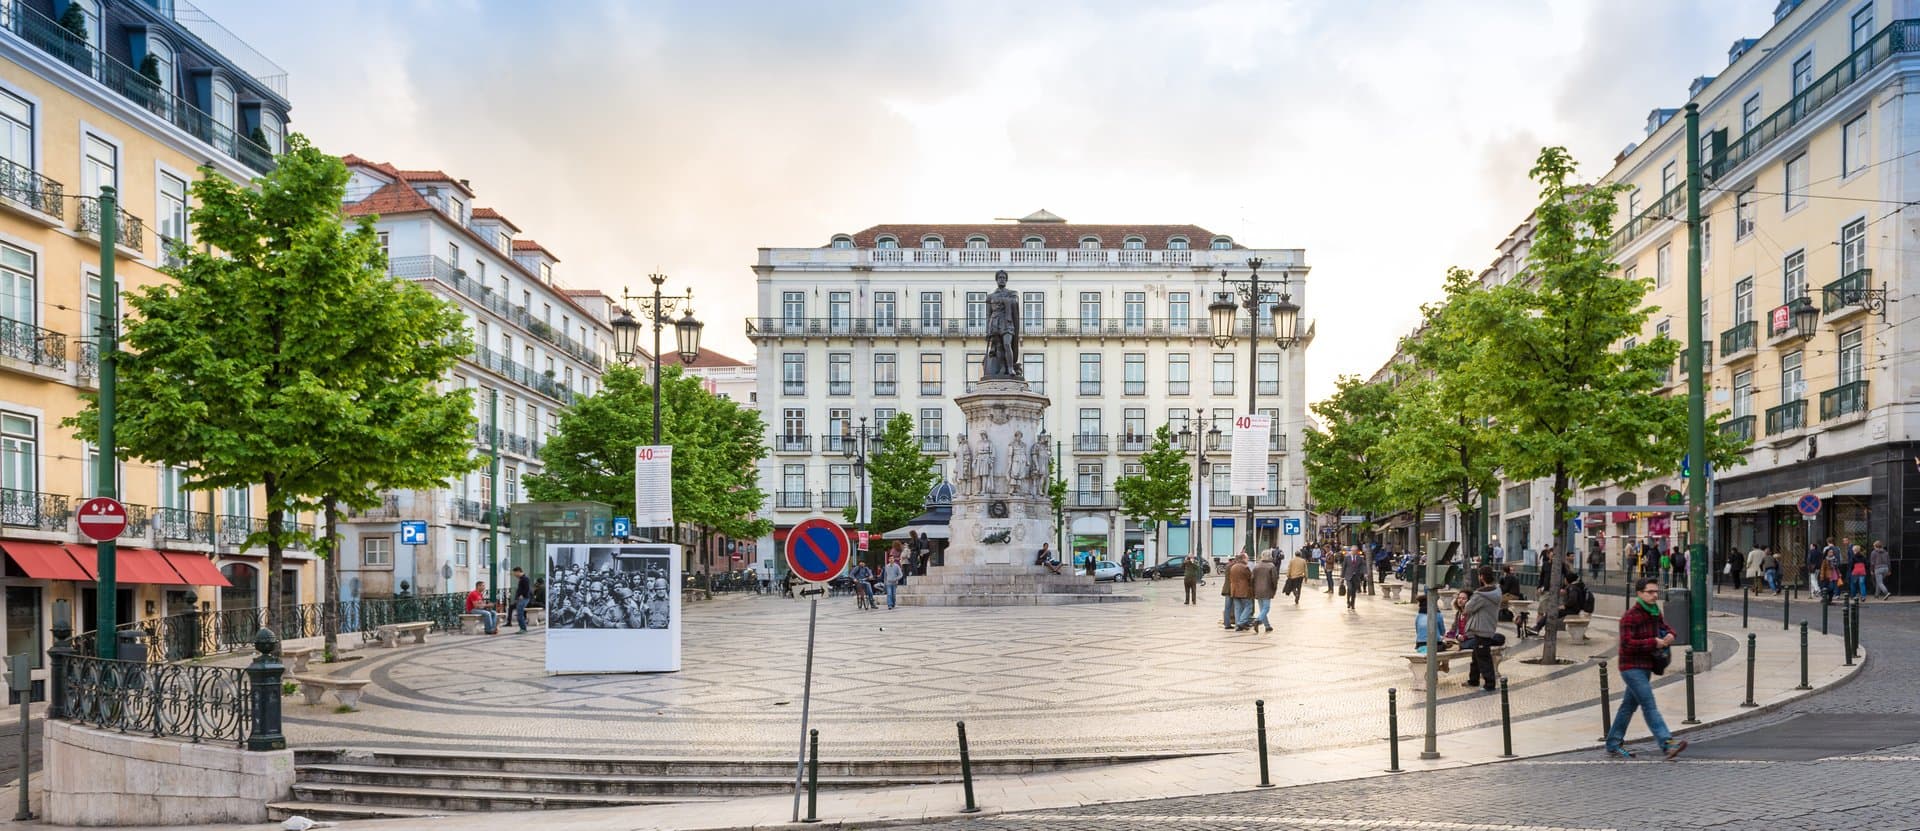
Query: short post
[20, 681]
[1854, 650]
[1746, 600]
[1752, 643]
[264, 673]
[1606, 714]
[1803, 658]
[813, 776]
[1260, 719]
[966, 770]
[1826, 603]
[1506, 722]
[1393, 730]
[57, 660]
[1691, 718]
[1846, 630]
[1786, 606]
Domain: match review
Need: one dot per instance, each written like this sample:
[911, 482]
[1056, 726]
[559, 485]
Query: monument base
[1005, 585]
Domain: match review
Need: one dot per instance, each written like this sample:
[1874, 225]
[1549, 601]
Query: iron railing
[199, 634]
[24, 187]
[187, 701]
[1782, 322]
[474, 510]
[33, 509]
[182, 524]
[1739, 338]
[1090, 499]
[1846, 399]
[131, 233]
[836, 499]
[1786, 417]
[792, 444]
[24, 341]
[793, 499]
[1051, 327]
[1740, 428]
[425, 267]
[933, 444]
[1850, 290]
[1090, 442]
[1898, 37]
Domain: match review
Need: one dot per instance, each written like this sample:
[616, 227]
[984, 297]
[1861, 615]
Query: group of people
[1833, 571]
[869, 582]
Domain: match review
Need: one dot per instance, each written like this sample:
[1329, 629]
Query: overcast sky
[1388, 139]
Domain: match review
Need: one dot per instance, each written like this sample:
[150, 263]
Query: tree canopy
[1346, 462]
[899, 474]
[1162, 489]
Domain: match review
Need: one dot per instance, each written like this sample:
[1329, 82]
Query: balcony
[34, 510]
[1848, 296]
[433, 268]
[513, 371]
[389, 508]
[1277, 443]
[1089, 499]
[1222, 499]
[1274, 499]
[235, 529]
[41, 349]
[1736, 343]
[40, 197]
[130, 234]
[793, 500]
[1844, 403]
[840, 388]
[1739, 429]
[182, 525]
[1671, 205]
[1787, 420]
[474, 511]
[833, 442]
[542, 330]
[1784, 325]
[792, 444]
[1072, 328]
[1089, 387]
[836, 499]
[1090, 443]
[1134, 442]
[933, 444]
[1706, 357]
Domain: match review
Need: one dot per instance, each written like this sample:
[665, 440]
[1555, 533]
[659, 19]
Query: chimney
[466, 184]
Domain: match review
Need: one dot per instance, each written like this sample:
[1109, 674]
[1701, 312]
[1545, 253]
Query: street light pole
[107, 594]
[657, 308]
[1286, 316]
[853, 444]
[1696, 398]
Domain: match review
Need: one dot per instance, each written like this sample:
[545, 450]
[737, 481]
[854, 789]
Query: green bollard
[1393, 730]
[1803, 658]
[1846, 631]
[1606, 714]
[966, 770]
[1826, 603]
[813, 776]
[1691, 718]
[1752, 644]
[1260, 717]
[1506, 722]
[1786, 606]
[1855, 650]
[1746, 600]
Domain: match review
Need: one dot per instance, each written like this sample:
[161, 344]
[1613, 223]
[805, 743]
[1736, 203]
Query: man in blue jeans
[522, 595]
[1642, 633]
[892, 575]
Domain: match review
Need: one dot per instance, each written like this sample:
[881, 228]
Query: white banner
[613, 608]
[653, 486]
[1250, 433]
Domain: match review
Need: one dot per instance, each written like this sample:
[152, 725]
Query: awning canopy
[1852, 487]
[137, 565]
[931, 524]
[196, 569]
[45, 560]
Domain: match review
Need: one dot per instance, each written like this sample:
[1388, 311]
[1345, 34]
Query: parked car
[1105, 570]
[1176, 567]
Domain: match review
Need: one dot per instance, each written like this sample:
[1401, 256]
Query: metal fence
[198, 634]
[161, 700]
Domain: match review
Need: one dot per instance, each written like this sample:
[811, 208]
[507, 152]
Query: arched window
[271, 130]
[90, 11]
[163, 64]
[223, 114]
[1222, 243]
[842, 241]
[1033, 242]
[1089, 243]
[932, 241]
[1133, 243]
[1176, 243]
[886, 242]
[243, 590]
[976, 241]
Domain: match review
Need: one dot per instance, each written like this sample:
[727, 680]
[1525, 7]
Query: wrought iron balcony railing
[1846, 292]
[836, 499]
[29, 343]
[792, 444]
[1787, 417]
[33, 509]
[1844, 400]
[183, 525]
[1740, 338]
[793, 499]
[1090, 442]
[131, 233]
[20, 185]
[1740, 428]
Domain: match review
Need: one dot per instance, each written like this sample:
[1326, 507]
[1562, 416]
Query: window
[1852, 356]
[1134, 378]
[1269, 369]
[839, 310]
[793, 479]
[930, 309]
[1749, 113]
[930, 373]
[839, 486]
[18, 270]
[882, 416]
[376, 551]
[842, 242]
[1795, 270]
[1742, 394]
[793, 373]
[932, 242]
[1033, 310]
[1662, 266]
[1633, 203]
[886, 243]
[1796, 185]
[1632, 273]
[173, 488]
[1089, 243]
[1628, 344]
[271, 130]
[1089, 311]
[1176, 243]
[19, 453]
[461, 553]
[1179, 310]
[1089, 373]
[1743, 301]
[931, 422]
[1668, 178]
[1706, 241]
[839, 423]
[223, 114]
[886, 373]
[1519, 496]
[1223, 373]
[1853, 147]
[1133, 423]
[1179, 373]
[1133, 309]
[840, 373]
[1792, 385]
[1031, 243]
[884, 303]
[976, 310]
[1035, 370]
[1853, 247]
[1090, 480]
[976, 242]
[793, 422]
[1743, 215]
[975, 369]
[1089, 421]
[99, 166]
[1133, 244]
[16, 131]
[1706, 316]
[1221, 244]
[1179, 419]
[793, 309]
[1803, 72]
[1862, 28]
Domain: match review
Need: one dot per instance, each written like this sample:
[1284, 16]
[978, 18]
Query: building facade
[1115, 332]
[537, 346]
[77, 116]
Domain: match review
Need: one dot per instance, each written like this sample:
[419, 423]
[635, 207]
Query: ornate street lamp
[686, 331]
[626, 337]
[1285, 316]
[657, 308]
[1806, 317]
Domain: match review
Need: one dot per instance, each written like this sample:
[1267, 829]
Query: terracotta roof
[352, 160]
[707, 359]
[406, 175]
[530, 245]
[489, 213]
[584, 293]
[395, 198]
[1055, 235]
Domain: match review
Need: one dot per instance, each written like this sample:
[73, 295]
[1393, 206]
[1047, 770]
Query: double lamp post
[659, 309]
[1285, 315]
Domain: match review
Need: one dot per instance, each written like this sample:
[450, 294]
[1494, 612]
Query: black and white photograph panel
[605, 587]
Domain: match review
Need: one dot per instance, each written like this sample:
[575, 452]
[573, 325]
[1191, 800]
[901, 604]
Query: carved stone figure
[1003, 333]
[1042, 463]
[965, 461]
[1017, 465]
[983, 466]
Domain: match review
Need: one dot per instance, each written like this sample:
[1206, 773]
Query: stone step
[592, 784]
[439, 799]
[340, 812]
[533, 762]
[1012, 599]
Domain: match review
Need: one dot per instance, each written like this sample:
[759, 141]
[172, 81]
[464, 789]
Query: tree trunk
[274, 512]
[1550, 602]
[331, 622]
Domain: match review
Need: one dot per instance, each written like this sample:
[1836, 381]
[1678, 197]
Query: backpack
[1586, 601]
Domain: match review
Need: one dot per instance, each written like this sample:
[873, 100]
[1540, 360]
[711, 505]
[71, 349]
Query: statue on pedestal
[983, 466]
[1042, 462]
[1016, 465]
[1003, 333]
[964, 460]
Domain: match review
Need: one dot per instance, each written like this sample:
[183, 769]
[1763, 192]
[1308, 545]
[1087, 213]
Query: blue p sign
[413, 532]
[1290, 526]
[622, 527]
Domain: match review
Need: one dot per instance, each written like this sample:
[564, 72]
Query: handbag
[1662, 658]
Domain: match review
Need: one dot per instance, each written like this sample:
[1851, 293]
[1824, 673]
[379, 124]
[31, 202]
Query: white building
[892, 320]
[537, 346]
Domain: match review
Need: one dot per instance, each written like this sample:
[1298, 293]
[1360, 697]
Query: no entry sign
[817, 550]
[102, 518]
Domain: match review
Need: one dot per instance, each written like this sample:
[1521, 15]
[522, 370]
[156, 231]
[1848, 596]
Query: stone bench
[345, 690]
[1577, 626]
[1392, 590]
[537, 617]
[472, 624]
[296, 659]
[1417, 663]
[389, 634]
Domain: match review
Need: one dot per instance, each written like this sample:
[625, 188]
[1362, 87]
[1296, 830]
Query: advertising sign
[1251, 434]
[653, 486]
[613, 608]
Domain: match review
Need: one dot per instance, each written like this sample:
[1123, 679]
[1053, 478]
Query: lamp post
[658, 308]
[1201, 491]
[853, 445]
[1285, 320]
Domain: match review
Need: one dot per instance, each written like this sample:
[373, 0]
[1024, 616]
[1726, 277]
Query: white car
[1105, 570]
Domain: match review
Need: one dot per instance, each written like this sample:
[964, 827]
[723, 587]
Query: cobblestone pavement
[1154, 676]
[1869, 786]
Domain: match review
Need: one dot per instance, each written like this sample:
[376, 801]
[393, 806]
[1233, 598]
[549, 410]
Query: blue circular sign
[1809, 505]
[818, 550]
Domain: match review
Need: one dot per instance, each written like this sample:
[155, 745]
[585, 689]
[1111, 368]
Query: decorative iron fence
[180, 700]
[198, 634]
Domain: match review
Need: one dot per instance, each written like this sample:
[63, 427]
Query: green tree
[1160, 493]
[289, 358]
[1346, 465]
[899, 475]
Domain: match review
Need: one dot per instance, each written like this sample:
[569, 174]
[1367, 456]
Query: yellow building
[76, 116]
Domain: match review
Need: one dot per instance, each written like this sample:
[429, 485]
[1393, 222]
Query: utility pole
[493, 499]
[1696, 397]
[107, 593]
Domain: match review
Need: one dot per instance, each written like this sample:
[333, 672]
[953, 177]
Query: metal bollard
[1752, 643]
[1846, 630]
[1506, 722]
[1803, 658]
[1691, 718]
[1260, 718]
[1826, 603]
[1786, 606]
[1393, 730]
[1855, 649]
[1606, 714]
[966, 770]
[813, 776]
[1746, 600]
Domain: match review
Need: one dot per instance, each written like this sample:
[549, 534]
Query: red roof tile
[530, 245]
[489, 213]
[1054, 235]
[707, 359]
[395, 198]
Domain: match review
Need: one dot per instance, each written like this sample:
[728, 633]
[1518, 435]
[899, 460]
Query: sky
[1390, 139]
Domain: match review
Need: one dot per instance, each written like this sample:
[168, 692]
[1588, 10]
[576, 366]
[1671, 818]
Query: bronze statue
[1003, 333]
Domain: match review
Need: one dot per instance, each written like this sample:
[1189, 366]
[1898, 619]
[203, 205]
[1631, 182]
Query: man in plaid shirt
[1642, 633]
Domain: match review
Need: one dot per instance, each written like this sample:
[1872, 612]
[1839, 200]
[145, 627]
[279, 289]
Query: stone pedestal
[1001, 514]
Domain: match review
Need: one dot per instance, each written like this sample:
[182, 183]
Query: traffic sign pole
[106, 616]
[817, 551]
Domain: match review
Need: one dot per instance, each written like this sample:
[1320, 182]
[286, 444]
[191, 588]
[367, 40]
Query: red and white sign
[863, 540]
[102, 518]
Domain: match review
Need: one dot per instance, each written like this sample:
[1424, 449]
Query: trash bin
[130, 647]
[1676, 610]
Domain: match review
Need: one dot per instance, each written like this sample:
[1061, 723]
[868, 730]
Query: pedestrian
[1353, 571]
[1644, 650]
[1596, 561]
[1483, 620]
[1811, 566]
[1227, 617]
[522, 595]
[1857, 572]
[1880, 562]
[477, 605]
[1497, 554]
[1770, 569]
[1328, 559]
[1420, 625]
[1266, 580]
[1751, 568]
[1190, 574]
[1044, 557]
[1240, 583]
[892, 576]
[1296, 576]
[862, 586]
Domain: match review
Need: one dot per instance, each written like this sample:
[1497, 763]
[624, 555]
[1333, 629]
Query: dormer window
[976, 241]
[1222, 243]
[163, 64]
[932, 242]
[886, 242]
[1176, 243]
[1089, 243]
[1134, 243]
[842, 241]
[1031, 243]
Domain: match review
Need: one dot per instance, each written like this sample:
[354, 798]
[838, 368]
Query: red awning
[136, 565]
[196, 569]
[45, 561]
